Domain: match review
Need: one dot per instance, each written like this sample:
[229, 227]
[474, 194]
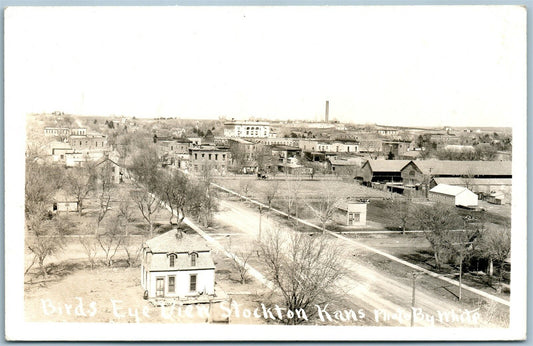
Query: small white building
[455, 195]
[351, 213]
[176, 265]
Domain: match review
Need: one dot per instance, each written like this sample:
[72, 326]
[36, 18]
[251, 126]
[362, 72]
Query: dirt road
[386, 297]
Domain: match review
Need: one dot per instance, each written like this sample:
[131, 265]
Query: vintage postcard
[265, 173]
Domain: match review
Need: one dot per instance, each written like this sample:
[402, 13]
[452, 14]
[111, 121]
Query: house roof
[168, 242]
[473, 181]
[387, 165]
[104, 159]
[443, 167]
[449, 190]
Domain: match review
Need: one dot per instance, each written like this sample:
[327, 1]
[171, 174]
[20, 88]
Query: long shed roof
[448, 167]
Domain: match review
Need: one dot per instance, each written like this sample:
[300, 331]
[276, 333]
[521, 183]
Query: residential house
[177, 265]
[116, 171]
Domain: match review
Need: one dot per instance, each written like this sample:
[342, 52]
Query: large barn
[383, 171]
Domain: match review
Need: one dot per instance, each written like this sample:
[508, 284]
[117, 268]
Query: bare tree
[125, 210]
[46, 238]
[145, 168]
[271, 192]
[132, 248]
[111, 240]
[202, 201]
[148, 204]
[239, 261]
[400, 213]
[292, 196]
[469, 179]
[105, 186]
[325, 208]
[303, 268]
[80, 182]
[495, 245]
[175, 191]
[245, 186]
[42, 181]
[90, 247]
[438, 223]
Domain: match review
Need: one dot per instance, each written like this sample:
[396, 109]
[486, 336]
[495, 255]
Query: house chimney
[327, 112]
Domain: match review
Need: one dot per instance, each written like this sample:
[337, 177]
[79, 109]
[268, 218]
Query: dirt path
[384, 295]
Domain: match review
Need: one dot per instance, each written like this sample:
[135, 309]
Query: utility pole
[260, 217]
[414, 275]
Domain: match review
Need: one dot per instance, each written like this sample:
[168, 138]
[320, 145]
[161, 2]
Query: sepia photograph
[265, 173]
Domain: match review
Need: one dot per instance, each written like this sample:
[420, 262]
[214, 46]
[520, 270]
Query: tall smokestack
[327, 111]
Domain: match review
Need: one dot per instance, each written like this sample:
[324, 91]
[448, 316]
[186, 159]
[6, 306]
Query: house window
[194, 256]
[192, 283]
[196, 156]
[172, 259]
[209, 156]
[223, 156]
[171, 284]
[216, 156]
[203, 155]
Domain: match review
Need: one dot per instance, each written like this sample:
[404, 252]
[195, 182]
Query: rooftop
[169, 242]
[443, 167]
[387, 165]
[449, 189]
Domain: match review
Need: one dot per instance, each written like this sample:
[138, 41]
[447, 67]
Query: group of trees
[181, 194]
[46, 230]
[455, 239]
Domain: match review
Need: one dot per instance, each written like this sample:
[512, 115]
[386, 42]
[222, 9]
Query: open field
[308, 189]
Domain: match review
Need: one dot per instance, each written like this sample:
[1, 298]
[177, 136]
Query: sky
[404, 65]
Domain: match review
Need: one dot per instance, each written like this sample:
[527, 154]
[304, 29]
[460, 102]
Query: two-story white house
[177, 265]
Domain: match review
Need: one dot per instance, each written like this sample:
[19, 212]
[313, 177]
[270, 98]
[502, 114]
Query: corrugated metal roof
[437, 167]
[168, 242]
